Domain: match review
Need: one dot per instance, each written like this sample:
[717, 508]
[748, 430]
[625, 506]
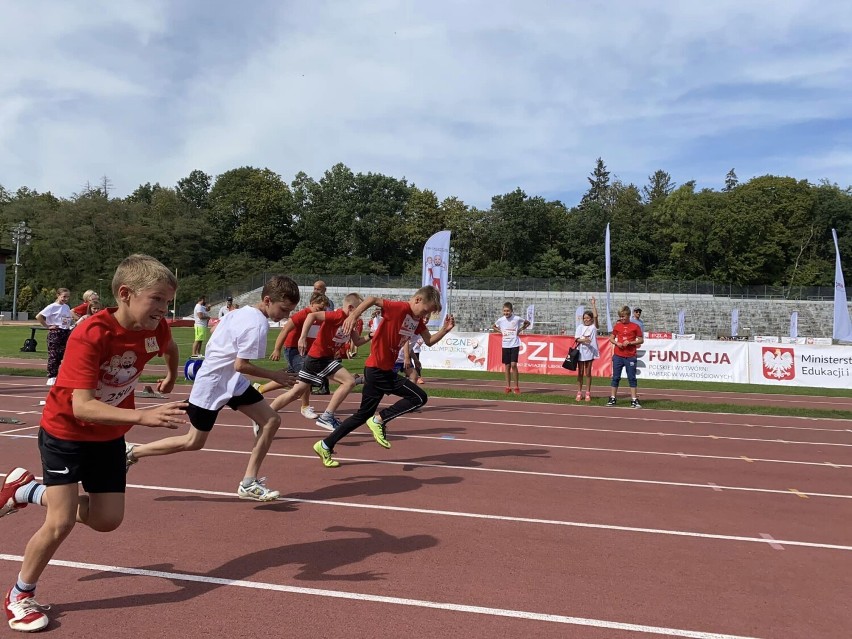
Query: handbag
[572, 358]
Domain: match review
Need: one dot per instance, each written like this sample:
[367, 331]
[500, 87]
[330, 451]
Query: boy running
[220, 381]
[86, 414]
[401, 320]
[320, 363]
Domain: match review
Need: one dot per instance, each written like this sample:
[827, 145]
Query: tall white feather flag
[794, 324]
[681, 322]
[842, 321]
[735, 322]
[436, 261]
[607, 256]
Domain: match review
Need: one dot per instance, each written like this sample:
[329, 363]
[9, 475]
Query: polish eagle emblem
[778, 363]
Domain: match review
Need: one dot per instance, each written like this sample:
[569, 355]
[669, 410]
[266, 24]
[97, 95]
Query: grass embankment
[12, 338]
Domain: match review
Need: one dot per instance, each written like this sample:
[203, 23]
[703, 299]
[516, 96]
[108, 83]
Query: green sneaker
[378, 431]
[325, 456]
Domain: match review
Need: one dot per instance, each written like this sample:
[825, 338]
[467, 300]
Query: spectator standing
[202, 325]
[637, 319]
[57, 319]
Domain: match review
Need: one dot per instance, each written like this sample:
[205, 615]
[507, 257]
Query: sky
[469, 99]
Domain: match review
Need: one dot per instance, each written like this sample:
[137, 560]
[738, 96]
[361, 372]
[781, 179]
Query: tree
[731, 181]
[659, 186]
[195, 188]
[598, 184]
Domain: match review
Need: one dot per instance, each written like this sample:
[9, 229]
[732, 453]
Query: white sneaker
[308, 412]
[256, 428]
[50, 381]
[257, 491]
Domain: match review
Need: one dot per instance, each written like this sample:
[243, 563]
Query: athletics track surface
[485, 519]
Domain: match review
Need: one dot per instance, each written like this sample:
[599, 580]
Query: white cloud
[470, 99]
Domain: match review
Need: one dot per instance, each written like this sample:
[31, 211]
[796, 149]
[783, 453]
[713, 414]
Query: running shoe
[308, 412]
[129, 459]
[329, 423]
[517, 391]
[611, 401]
[256, 428]
[508, 390]
[25, 613]
[379, 433]
[579, 397]
[588, 397]
[635, 403]
[325, 456]
[16, 478]
[258, 387]
[257, 491]
[359, 379]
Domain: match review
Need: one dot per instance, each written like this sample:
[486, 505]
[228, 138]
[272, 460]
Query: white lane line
[397, 601]
[624, 432]
[529, 473]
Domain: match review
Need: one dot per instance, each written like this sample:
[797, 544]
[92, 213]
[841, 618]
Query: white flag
[606, 255]
[681, 322]
[735, 322]
[531, 315]
[842, 321]
[436, 262]
[578, 315]
[794, 324]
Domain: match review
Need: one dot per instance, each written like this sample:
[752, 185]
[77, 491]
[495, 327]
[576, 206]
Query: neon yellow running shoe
[378, 430]
[325, 456]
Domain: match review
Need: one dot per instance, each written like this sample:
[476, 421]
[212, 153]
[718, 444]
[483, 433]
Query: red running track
[485, 519]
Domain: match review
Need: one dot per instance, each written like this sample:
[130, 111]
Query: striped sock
[31, 493]
[21, 587]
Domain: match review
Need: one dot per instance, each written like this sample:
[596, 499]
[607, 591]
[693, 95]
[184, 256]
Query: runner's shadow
[317, 561]
[282, 506]
[471, 459]
[369, 486]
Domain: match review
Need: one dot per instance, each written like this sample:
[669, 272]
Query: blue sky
[470, 99]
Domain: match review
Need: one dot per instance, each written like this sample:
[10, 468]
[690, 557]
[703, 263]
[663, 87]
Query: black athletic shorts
[99, 466]
[316, 369]
[510, 355]
[204, 418]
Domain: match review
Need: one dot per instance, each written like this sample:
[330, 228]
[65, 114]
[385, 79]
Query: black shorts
[204, 418]
[510, 355]
[100, 466]
[316, 369]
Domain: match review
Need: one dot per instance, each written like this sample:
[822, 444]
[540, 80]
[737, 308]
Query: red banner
[544, 354]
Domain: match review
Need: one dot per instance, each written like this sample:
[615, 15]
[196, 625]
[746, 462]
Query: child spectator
[57, 319]
[86, 414]
[510, 326]
[220, 381]
[202, 325]
[78, 311]
[625, 337]
[586, 337]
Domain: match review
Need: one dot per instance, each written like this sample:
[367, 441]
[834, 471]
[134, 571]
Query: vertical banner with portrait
[436, 261]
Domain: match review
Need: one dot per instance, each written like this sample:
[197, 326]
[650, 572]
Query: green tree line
[770, 230]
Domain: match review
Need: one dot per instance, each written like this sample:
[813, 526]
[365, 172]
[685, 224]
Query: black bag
[572, 358]
[29, 346]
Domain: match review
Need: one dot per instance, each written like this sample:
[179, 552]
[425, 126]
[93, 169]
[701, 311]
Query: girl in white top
[586, 337]
[57, 319]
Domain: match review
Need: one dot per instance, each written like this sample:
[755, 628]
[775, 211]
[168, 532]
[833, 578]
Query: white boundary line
[398, 601]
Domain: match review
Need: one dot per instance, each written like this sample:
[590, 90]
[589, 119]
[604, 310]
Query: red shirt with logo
[298, 319]
[331, 335]
[396, 328]
[626, 332]
[105, 357]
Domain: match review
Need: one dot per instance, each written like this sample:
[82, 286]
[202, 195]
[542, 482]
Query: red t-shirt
[105, 357]
[397, 326]
[80, 309]
[292, 339]
[626, 332]
[331, 335]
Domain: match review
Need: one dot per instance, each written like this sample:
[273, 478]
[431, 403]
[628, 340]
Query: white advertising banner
[436, 261]
[801, 365]
[694, 360]
[457, 351]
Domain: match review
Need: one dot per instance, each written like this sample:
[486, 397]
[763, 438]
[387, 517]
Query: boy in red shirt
[86, 414]
[400, 321]
[625, 337]
[320, 363]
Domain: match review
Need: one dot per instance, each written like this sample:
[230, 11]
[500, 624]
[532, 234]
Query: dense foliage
[770, 230]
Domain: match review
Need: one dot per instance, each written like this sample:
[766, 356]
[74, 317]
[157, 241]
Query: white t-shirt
[588, 351]
[58, 315]
[241, 333]
[374, 323]
[416, 343]
[223, 311]
[200, 308]
[510, 327]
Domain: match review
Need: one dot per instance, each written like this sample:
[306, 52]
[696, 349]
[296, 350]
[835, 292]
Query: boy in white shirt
[220, 381]
[510, 326]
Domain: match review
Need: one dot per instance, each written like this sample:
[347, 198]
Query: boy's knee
[59, 530]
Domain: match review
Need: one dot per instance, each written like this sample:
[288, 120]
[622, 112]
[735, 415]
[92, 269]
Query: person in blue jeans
[625, 337]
